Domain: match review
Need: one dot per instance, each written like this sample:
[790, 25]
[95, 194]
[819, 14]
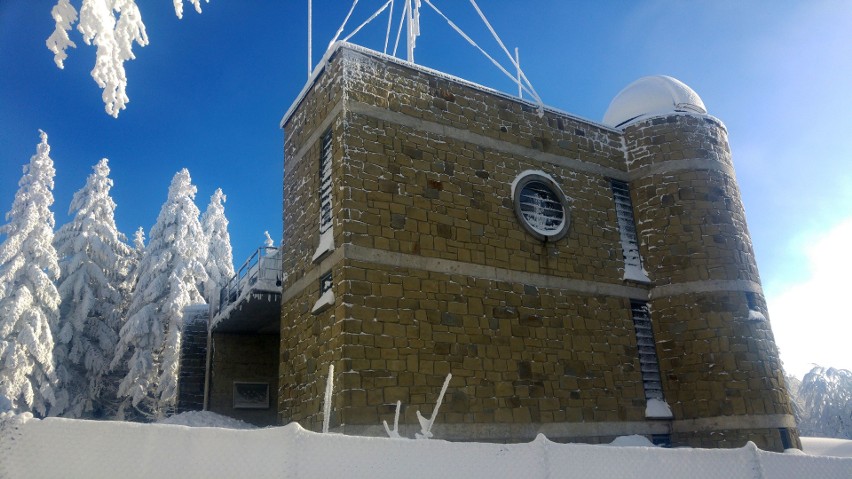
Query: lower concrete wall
[250, 358]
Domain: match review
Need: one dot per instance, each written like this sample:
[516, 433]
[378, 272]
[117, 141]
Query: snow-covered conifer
[827, 397]
[29, 301]
[168, 277]
[133, 265]
[220, 258]
[94, 260]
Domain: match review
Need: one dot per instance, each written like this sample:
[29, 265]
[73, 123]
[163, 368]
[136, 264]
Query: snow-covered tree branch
[112, 26]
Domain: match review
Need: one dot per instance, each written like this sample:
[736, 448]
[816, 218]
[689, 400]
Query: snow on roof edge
[382, 56]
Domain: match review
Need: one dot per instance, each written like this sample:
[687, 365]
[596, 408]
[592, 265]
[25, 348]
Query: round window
[541, 206]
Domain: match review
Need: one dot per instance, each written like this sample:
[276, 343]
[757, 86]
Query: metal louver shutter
[325, 182]
[648, 361]
[626, 225]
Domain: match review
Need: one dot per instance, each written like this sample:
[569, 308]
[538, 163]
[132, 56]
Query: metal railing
[263, 266]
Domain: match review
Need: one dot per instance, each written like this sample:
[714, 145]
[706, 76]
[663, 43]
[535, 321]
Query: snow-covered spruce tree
[220, 258]
[94, 260]
[827, 397]
[133, 260]
[168, 277]
[112, 26]
[29, 301]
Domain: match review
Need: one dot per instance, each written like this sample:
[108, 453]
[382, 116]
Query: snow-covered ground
[31, 448]
[825, 446]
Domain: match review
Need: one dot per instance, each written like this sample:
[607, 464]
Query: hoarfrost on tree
[133, 260]
[112, 26]
[220, 258]
[94, 260]
[170, 272]
[29, 301]
[826, 394]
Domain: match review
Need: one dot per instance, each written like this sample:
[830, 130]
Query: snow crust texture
[292, 452]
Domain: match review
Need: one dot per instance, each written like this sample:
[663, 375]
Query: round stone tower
[720, 367]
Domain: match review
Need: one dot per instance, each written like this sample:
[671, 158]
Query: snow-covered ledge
[658, 409]
[326, 245]
[325, 301]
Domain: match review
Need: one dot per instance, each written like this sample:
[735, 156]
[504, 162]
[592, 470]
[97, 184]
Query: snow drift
[105, 449]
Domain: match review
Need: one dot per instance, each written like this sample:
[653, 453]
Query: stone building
[578, 279]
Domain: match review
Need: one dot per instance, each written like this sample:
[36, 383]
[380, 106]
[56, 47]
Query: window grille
[325, 282]
[325, 182]
[541, 206]
[633, 269]
[648, 361]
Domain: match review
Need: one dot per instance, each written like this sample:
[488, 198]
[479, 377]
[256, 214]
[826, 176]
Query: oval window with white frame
[541, 206]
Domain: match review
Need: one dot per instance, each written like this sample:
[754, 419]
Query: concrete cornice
[680, 165]
[706, 286]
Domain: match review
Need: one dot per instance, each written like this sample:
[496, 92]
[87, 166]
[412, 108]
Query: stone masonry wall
[716, 358]
[245, 358]
[309, 343]
[690, 217]
[416, 94]
[319, 110]
[518, 353]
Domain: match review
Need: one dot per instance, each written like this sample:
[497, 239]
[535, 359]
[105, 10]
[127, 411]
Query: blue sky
[208, 93]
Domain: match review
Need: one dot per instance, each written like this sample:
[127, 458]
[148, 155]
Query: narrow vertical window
[648, 362]
[633, 269]
[754, 313]
[326, 243]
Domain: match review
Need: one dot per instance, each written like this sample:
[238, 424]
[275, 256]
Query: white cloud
[812, 318]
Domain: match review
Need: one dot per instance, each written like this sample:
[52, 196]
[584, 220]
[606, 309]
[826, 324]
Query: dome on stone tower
[651, 96]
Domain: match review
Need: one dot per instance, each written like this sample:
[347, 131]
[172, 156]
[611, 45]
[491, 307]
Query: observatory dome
[650, 96]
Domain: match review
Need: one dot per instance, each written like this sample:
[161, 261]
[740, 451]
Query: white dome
[652, 96]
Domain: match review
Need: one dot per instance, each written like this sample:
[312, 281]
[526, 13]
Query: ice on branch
[426, 424]
[326, 404]
[394, 433]
[64, 14]
[112, 26]
[179, 6]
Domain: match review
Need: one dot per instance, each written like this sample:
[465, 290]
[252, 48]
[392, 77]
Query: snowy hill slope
[109, 449]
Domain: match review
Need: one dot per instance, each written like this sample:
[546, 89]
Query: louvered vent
[325, 183]
[647, 350]
[633, 269]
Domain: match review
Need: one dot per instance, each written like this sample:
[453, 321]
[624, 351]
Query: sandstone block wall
[243, 358]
